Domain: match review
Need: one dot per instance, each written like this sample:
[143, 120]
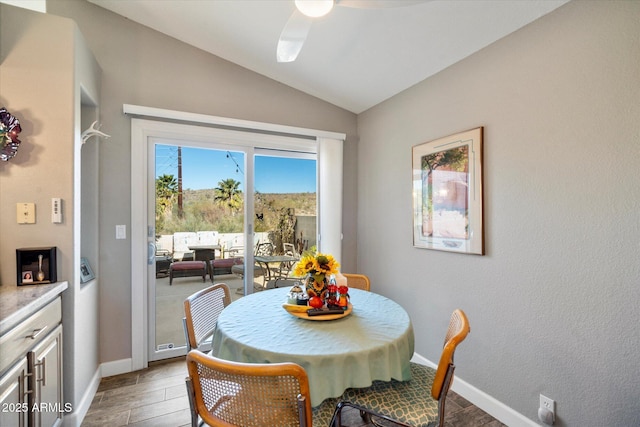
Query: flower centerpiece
[316, 268]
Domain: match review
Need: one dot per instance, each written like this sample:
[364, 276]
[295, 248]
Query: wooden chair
[358, 281]
[201, 311]
[419, 402]
[253, 394]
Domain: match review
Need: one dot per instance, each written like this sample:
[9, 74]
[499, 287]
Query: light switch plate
[26, 213]
[121, 231]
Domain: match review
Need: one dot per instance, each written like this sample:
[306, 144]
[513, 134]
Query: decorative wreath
[9, 130]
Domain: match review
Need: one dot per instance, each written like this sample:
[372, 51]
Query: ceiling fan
[297, 27]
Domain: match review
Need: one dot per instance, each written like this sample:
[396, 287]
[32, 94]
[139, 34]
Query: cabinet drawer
[19, 340]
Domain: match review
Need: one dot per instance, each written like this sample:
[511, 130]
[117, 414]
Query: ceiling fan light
[314, 8]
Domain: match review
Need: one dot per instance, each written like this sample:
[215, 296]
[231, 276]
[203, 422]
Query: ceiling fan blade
[292, 37]
[377, 4]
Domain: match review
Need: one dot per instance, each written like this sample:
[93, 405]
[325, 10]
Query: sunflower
[326, 264]
[304, 266]
[318, 264]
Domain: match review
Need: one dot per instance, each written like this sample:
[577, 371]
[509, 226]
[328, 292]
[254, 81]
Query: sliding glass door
[285, 203]
[178, 189]
[199, 195]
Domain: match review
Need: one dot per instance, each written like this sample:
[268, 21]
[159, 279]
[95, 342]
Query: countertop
[19, 302]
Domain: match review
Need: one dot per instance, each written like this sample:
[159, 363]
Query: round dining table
[374, 342]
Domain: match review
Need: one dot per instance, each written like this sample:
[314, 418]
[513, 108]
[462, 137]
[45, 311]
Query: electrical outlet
[547, 410]
[547, 403]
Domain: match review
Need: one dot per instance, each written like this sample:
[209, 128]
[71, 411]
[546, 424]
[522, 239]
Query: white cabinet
[45, 367]
[13, 396]
[31, 367]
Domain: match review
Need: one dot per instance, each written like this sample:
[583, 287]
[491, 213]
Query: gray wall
[553, 305]
[141, 66]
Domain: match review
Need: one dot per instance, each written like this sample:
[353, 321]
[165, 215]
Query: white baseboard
[108, 369]
[482, 400]
[75, 418]
[116, 367]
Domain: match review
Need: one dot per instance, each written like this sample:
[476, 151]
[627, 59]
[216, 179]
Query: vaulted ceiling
[354, 58]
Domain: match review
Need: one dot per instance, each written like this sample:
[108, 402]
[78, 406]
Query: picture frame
[27, 276]
[86, 273]
[448, 193]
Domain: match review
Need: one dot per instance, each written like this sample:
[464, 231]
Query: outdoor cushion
[223, 266]
[187, 265]
[187, 269]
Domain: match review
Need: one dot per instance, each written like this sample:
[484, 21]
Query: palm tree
[227, 193]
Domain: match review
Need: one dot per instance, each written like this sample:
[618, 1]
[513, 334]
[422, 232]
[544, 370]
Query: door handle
[43, 374]
[151, 253]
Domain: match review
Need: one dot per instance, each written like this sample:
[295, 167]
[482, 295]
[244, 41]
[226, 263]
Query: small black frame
[27, 259]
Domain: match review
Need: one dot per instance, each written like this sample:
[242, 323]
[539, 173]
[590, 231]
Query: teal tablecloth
[375, 342]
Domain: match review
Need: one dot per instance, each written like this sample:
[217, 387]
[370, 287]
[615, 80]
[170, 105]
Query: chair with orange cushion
[419, 402]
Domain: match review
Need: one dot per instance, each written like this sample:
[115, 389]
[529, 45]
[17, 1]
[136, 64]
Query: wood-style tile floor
[157, 397]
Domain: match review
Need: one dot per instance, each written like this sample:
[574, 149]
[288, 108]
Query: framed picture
[447, 193]
[27, 277]
[86, 273]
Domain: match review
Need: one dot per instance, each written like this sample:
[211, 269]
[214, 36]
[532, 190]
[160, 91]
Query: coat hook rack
[93, 131]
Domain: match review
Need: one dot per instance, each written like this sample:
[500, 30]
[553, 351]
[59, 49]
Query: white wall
[82, 368]
[553, 305]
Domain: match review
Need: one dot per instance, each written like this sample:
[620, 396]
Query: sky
[204, 168]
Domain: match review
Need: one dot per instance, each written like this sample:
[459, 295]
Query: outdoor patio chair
[163, 261]
[284, 268]
[263, 249]
[419, 402]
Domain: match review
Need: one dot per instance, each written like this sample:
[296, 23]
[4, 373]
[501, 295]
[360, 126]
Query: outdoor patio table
[374, 342]
[266, 259]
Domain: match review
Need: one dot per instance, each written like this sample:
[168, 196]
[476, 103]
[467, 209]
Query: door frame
[146, 124]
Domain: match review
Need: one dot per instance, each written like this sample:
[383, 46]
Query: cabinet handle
[36, 332]
[26, 391]
[43, 376]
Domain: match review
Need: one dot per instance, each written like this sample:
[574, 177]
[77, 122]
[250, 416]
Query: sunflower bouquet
[317, 268]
